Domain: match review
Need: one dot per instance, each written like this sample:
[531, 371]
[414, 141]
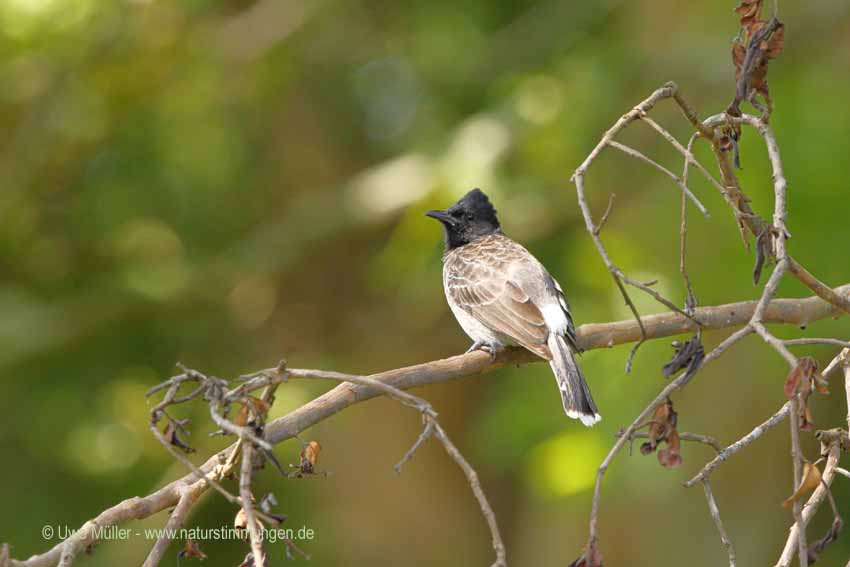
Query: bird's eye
[469, 217]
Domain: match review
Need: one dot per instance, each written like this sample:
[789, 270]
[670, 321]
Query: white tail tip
[586, 419]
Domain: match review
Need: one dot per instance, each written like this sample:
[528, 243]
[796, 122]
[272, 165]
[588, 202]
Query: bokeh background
[229, 183]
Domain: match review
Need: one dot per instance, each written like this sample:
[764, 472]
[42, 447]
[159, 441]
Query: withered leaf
[266, 504]
[749, 11]
[663, 421]
[240, 522]
[762, 42]
[802, 373]
[775, 43]
[172, 432]
[816, 548]
[820, 385]
[662, 429]
[811, 480]
[687, 355]
[807, 422]
[764, 251]
[253, 409]
[590, 558]
[191, 550]
[670, 457]
[310, 456]
[242, 417]
[249, 560]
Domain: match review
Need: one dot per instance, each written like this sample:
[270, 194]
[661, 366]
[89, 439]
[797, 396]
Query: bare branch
[796, 312]
[676, 179]
[189, 494]
[812, 505]
[252, 525]
[683, 435]
[741, 443]
[715, 515]
[431, 428]
[816, 341]
[472, 477]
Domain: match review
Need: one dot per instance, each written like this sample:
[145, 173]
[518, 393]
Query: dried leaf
[775, 43]
[816, 548]
[249, 560]
[764, 251]
[807, 422]
[670, 457]
[253, 409]
[662, 429]
[687, 355]
[240, 523]
[820, 385]
[243, 416]
[739, 52]
[172, 432]
[191, 550]
[751, 52]
[749, 11]
[258, 406]
[663, 421]
[266, 504]
[309, 457]
[802, 373]
[590, 558]
[811, 480]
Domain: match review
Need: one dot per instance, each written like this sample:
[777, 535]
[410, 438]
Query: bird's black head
[467, 220]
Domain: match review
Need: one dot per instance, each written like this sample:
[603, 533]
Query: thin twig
[674, 385]
[676, 179]
[741, 443]
[715, 515]
[431, 429]
[189, 494]
[254, 532]
[472, 478]
[811, 506]
[691, 302]
[816, 341]
[683, 435]
[794, 312]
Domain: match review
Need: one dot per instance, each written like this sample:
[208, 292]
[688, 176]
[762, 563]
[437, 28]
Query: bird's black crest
[469, 219]
[478, 204]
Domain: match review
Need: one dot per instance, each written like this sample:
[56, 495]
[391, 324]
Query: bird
[501, 295]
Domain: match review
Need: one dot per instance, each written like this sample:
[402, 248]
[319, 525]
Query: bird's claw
[486, 347]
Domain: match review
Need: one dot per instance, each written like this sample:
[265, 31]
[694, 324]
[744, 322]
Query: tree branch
[797, 312]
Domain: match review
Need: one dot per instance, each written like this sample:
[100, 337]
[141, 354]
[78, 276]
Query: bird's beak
[441, 216]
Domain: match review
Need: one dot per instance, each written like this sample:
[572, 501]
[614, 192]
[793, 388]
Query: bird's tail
[578, 403]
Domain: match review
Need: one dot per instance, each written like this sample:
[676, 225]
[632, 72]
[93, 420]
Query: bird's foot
[486, 347]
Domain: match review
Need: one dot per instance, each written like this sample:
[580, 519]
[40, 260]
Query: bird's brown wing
[484, 288]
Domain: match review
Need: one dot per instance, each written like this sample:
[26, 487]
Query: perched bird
[502, 295]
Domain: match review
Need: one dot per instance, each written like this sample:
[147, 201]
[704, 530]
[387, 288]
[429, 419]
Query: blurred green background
[228, 183]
